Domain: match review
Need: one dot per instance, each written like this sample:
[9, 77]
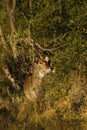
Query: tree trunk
[10, 11]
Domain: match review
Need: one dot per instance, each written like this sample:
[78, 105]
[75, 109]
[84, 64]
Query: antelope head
[44, 66]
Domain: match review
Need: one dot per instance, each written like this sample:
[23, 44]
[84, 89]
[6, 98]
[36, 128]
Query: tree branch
[32, 43]
[9, 76]
[60, 10]
[10, 13]
[30, 6]
[13, 6]
[2, 38]
[7, 7]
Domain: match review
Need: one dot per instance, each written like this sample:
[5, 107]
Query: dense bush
[52, 24]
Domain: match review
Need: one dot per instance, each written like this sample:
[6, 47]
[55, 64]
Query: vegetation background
[60, 24]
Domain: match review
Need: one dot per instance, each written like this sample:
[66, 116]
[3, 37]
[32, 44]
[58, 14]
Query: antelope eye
[42, 63]
[49, 62]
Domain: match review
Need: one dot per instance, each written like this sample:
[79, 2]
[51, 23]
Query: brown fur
[33, 81]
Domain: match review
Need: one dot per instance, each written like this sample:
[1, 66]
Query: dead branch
[33, 44]
[43, 49]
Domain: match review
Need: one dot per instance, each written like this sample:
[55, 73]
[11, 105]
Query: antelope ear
[46, 58]
[36, 59]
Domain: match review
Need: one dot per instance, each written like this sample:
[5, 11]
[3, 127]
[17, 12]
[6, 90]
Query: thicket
[60, 24]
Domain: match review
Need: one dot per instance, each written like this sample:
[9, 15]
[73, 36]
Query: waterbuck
[34, 80]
